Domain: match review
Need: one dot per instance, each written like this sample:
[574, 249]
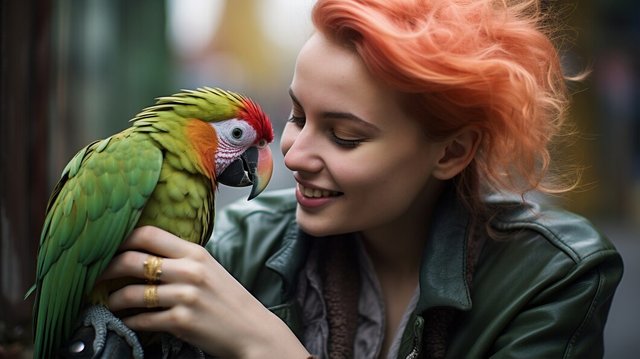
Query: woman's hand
[203, 304]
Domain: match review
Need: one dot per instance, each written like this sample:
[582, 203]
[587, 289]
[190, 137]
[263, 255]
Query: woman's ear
[459, 150]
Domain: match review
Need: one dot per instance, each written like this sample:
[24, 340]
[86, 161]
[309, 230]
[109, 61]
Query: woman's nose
[300, 149]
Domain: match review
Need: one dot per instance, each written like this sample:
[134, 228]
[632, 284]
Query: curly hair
[486, 64]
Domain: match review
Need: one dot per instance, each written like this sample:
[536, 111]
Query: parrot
[163, 170]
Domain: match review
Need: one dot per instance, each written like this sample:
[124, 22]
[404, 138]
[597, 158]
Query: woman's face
[360, 162]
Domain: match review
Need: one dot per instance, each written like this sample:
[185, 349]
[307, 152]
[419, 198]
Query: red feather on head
[253, 114]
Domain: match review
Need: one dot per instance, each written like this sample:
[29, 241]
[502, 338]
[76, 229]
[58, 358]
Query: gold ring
[152, 269]
[151, 296]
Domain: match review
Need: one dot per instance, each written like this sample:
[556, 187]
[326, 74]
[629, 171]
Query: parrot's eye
[236, 133]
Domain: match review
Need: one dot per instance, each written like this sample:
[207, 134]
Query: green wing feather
[93, 208]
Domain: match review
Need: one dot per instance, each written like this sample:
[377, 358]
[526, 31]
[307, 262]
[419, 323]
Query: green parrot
[162, 171]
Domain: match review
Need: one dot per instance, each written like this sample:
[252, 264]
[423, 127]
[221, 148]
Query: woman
[411, 123]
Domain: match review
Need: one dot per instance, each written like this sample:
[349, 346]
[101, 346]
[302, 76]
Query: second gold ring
[150, 296]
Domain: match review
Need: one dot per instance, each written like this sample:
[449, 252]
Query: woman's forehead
[329, 74]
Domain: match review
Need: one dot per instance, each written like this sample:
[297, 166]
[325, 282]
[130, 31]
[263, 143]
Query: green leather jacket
[542, 290]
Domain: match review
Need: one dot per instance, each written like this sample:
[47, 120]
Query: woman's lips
[316, 192]
[314, 197]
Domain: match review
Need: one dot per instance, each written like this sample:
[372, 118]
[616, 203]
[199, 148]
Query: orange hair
[486, 64]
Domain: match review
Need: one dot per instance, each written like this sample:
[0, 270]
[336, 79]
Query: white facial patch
[234, 137]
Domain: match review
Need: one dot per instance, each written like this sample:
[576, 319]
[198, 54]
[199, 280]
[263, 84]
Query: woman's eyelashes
[350, 142]
[297, 120]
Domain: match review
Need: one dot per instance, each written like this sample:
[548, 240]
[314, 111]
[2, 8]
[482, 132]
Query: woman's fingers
[127, 264]
[151, 321]
[166, 270]
[135, 260]
[152, 296]
[160, 242]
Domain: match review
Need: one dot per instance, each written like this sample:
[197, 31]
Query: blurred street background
[77, 70]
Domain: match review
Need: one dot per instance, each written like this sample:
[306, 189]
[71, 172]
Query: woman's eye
[343, 142]
[297, 120]
[340, 137]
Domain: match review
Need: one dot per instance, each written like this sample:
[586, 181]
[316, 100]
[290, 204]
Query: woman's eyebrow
[350, 117]
[338, 115]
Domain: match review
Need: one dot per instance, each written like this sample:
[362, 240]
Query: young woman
[416, 129]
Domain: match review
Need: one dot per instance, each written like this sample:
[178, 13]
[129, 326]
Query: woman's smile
[310, 198]
[316, 192]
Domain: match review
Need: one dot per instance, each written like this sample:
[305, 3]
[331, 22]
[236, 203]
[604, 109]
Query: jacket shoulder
[573, 235]
[543, 262]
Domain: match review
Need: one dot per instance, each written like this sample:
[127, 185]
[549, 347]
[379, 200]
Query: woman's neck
[397, 253]
[396, 248]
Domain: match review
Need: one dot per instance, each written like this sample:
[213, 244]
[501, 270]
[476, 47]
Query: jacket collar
[443, 269]
[290, 258]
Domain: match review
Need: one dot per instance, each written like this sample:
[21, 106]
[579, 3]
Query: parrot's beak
[260, 163]
[254, 167]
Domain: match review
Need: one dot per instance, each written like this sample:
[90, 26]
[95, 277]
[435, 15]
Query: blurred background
[77, 70]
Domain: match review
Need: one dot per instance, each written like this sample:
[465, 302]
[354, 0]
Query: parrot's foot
[110, 336]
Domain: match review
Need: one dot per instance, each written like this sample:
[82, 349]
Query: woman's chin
[317, 227]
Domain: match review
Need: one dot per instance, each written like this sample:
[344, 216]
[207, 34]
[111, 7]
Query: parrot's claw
[104, 325]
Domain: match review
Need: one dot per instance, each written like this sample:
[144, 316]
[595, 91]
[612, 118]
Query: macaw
[163, 171]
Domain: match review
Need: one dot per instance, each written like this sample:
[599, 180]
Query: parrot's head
[243, 156]
[229, 132]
